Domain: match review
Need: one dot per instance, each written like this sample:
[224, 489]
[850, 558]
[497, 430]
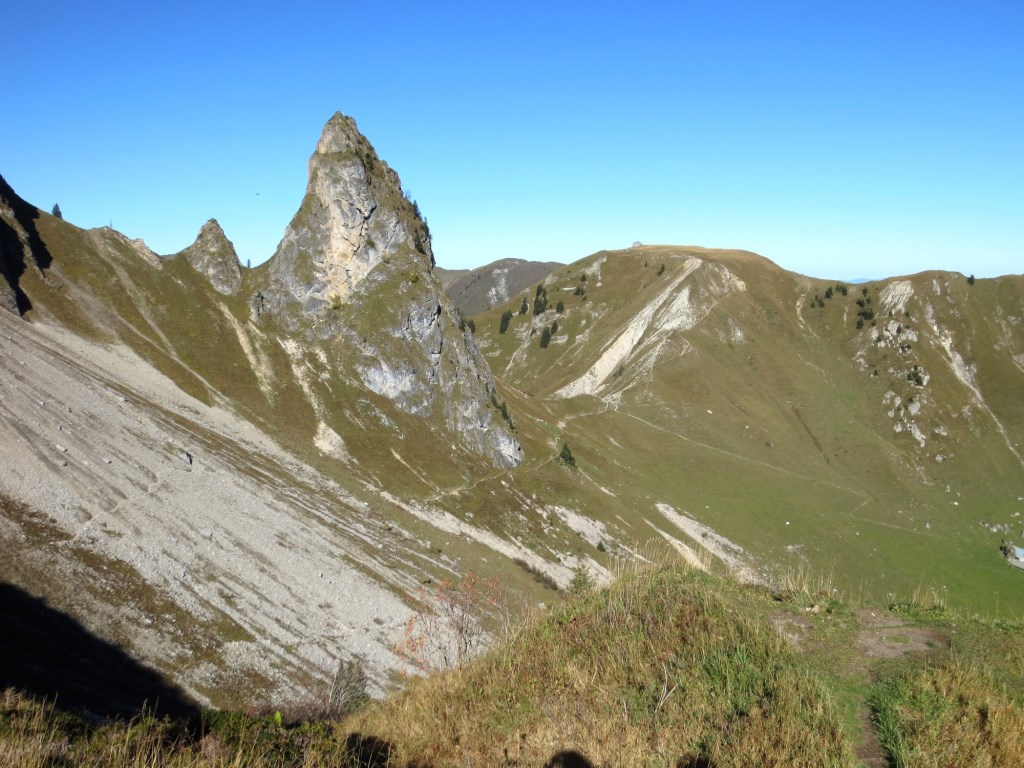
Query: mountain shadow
[47, 654]
[13, 244]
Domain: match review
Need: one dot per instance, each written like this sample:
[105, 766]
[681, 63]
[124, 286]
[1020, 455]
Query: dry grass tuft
[947, 717]
[655, 669]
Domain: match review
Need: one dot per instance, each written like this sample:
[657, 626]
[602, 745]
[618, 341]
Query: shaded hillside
[497, 282]
[449, 276]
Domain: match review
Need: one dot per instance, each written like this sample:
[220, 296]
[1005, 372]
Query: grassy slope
[756, 416]
[668, 666]
[782, 425]
[471, 292]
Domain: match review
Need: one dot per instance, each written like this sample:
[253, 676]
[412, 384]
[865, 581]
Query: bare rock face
[353, 276]
[353, 218]
[213, 255]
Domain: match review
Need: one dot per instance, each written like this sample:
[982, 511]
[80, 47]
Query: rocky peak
[353, 218]
[213, 255]
[353, 277]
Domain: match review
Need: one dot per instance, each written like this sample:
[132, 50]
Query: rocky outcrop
[20, 248]
[213, 255]
[353, 276]
[353, 218]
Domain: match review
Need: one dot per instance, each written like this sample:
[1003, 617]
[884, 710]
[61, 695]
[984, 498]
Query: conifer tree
[566, 456]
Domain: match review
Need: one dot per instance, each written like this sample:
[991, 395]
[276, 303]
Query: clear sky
[841, 140]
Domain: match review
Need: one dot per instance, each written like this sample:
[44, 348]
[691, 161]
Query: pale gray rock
[213, 255]
[353, 275]
[353, 218]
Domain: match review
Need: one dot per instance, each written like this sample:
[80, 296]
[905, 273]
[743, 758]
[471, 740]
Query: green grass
[746, 435]
[668, 666]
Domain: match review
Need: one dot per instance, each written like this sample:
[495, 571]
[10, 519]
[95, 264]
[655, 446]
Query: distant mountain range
[480, 289]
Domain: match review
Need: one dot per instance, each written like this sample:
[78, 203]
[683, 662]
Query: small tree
[59, 215]
[554, 328]
[524, 307]
[582, 582]
[540, 301]
[506, 318]
[560, 307]
[471, 325]
[583, 277]
[545, 338]
[970, 279]
[566, 457]
[661, 270]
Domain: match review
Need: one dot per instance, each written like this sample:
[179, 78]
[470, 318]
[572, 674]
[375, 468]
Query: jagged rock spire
[213, 255]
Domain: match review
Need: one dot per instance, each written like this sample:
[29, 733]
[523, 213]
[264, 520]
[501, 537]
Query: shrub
[560, 307]
[506, 318]
[970, 279]
[348, 689]
[566, 457]
[524, 307]
[506, 415]
[545, 338]
[661, 270]
[582, 582]
[538, 575]
[449, 630]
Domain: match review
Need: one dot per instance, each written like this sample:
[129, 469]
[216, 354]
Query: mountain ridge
[227, 440]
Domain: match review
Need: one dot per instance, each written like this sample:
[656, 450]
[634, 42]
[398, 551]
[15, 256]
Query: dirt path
[883, 635]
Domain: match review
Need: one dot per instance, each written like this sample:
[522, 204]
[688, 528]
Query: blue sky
[840, 140]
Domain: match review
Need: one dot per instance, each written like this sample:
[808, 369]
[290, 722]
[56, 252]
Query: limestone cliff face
[213, 255]
[353, 276]
[353, 218]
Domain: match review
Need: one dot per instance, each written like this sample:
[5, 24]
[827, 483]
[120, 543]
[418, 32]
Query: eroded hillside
[875, 430]
[230, 472]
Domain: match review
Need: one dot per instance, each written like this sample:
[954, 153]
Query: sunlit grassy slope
[713, 382]
[747, 397]
[668, 666]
